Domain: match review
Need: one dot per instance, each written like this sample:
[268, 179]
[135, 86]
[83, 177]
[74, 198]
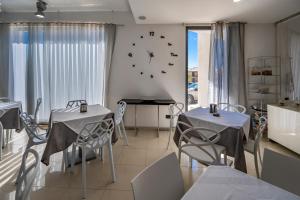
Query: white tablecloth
[66, 124]
[75, 120]
[202, 117]
[225, 183]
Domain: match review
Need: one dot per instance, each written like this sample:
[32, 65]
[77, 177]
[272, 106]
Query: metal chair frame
[119, 122]
[27, 175]
[231, 107]
[75, 103]
[174, 111]
[94, 136]
[213, 138]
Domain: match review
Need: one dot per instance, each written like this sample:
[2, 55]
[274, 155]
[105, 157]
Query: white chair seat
[43, 138]
[202, 157]
[249, 146]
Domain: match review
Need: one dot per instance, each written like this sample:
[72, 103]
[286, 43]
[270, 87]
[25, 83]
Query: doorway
[197, 66]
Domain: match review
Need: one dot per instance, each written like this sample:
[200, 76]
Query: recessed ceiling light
[142, 18]
[236, 1]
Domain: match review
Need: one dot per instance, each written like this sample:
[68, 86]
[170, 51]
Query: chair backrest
[176, 109]
[29, 171]
[160, 181]
[208, 138]
[282, 171]
[121, 109]
[94, 135]
[75, 103]
[37, 107]
[257, 153]
[30, 125]
[232, 108]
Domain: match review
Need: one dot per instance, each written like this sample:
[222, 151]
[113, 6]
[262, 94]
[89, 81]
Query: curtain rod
[288, 18]
[209, 24]
[58, 22]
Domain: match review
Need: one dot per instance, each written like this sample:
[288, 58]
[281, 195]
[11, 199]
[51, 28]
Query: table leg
[136, 131]
[157, 120]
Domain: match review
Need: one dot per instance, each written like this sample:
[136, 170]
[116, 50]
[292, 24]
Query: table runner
[225, 183]
[66, 124]
[234, 128]
[11, 117]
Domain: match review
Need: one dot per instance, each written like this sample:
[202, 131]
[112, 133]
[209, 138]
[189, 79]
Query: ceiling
[173, 11]
[66, 5]
[201, 11]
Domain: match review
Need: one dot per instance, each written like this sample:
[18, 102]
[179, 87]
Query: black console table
[155, 102]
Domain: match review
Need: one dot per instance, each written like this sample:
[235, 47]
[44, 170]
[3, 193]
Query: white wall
[259, 40]
[127, 82]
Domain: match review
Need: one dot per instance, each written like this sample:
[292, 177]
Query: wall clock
[152, 54]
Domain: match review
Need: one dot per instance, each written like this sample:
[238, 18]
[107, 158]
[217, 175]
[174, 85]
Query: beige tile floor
[52, 183]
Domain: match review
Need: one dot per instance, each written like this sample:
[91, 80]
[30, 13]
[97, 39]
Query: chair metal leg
[101, 153]
[65, 162]
[83, 172]
[111, 158]
[191, 162]
[179, 156]
[256, 165]
[119, 130]
[124, 132]
[73, 157]
[1, 145]
[170, 133]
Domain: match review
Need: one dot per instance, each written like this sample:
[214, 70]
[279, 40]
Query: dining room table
[10, 118]
[65, 124]
[234, 128]
[226, 183]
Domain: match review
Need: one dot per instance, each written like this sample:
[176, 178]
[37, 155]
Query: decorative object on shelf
[152, 60]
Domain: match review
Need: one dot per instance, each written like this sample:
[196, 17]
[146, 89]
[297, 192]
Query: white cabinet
[284, 126]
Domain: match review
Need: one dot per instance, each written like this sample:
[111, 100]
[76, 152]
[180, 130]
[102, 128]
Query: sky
[192, 49]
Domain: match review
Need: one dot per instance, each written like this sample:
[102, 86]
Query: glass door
[197, 66]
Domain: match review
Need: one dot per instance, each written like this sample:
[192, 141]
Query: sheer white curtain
[64, 62]
[295, 56]
[227, 83]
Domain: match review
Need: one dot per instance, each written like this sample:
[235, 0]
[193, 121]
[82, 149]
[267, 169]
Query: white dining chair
[253, 146]
[28, 172]
[75, 103]
[174, 111]
[94, 136]
[200, 144]
[34, 137]
[281, 171]
[232, 108]
[119, 123]
[162, 180]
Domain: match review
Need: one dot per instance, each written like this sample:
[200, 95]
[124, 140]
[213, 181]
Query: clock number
[151, 33]
[171, 64]
[173, 54]
[130, 55]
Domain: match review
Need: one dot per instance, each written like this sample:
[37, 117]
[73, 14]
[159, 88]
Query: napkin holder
[83, 107]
